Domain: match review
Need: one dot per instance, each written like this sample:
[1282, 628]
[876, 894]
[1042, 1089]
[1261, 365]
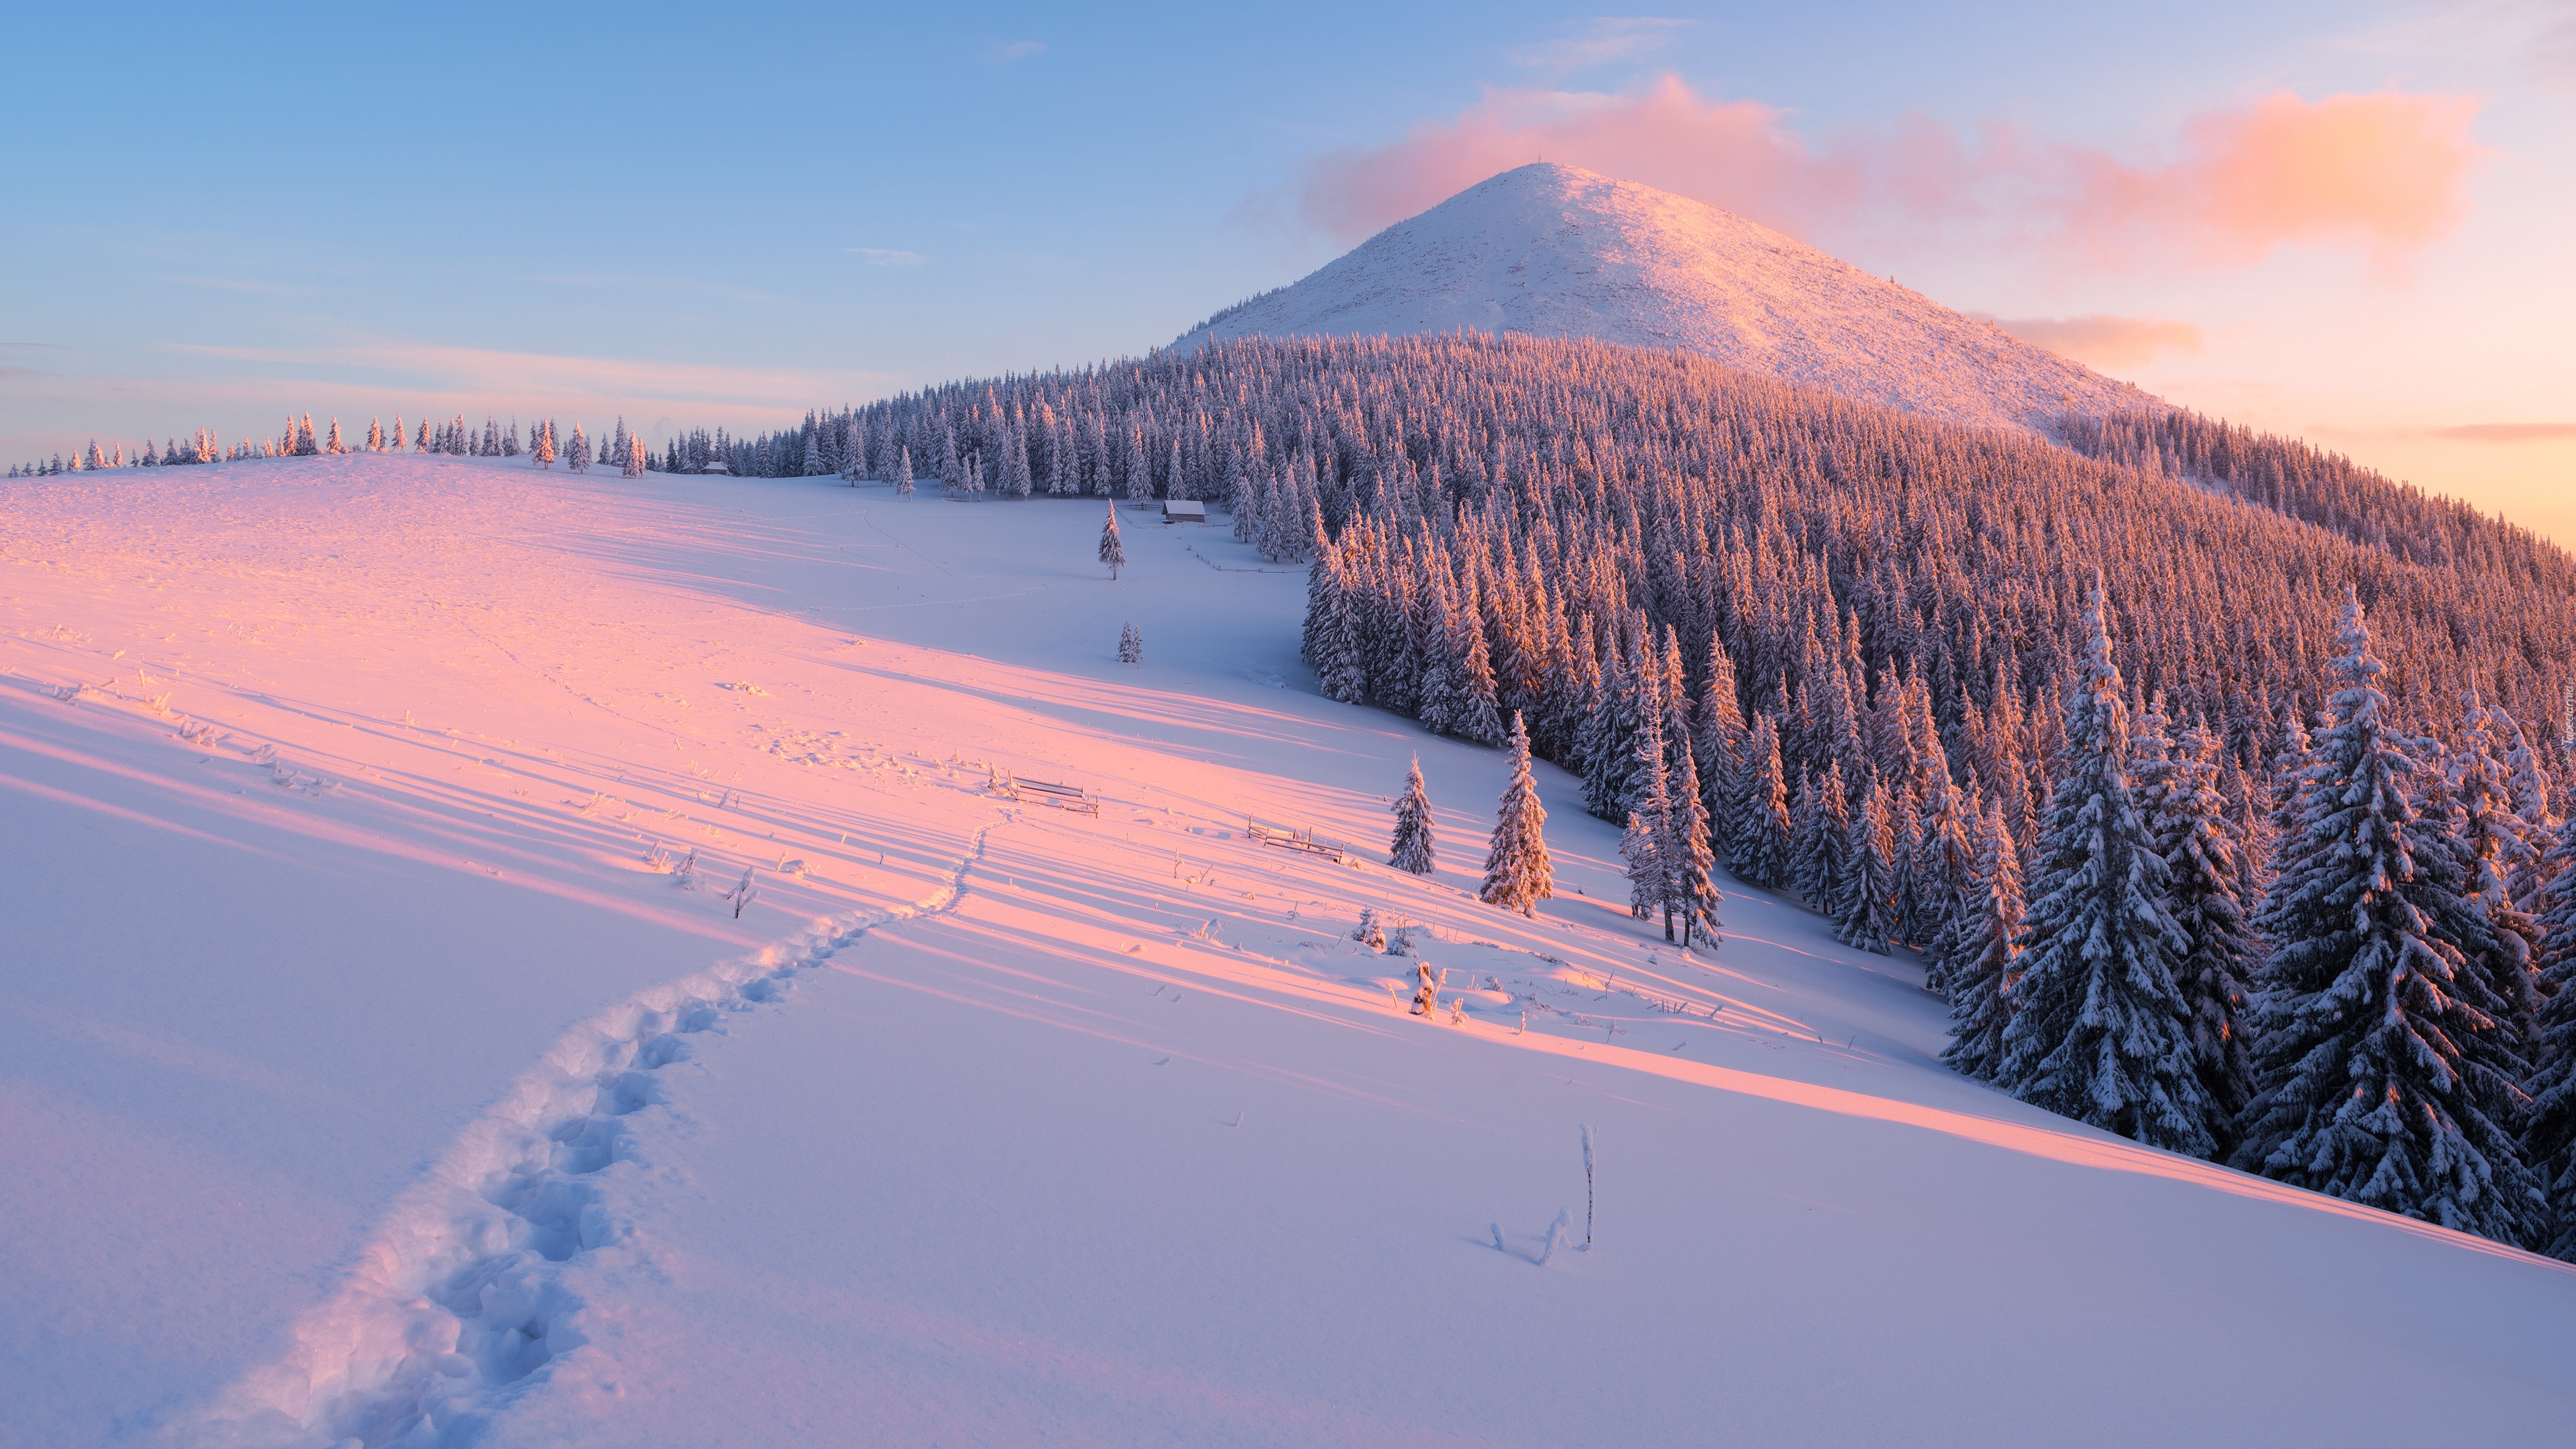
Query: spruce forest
[2092, 722]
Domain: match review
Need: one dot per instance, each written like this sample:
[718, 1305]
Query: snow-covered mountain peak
[1554, 251]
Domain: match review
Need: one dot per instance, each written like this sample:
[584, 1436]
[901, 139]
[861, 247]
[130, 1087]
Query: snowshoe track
[458, 1300]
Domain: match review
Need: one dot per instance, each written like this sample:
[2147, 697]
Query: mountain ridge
[1554, 251]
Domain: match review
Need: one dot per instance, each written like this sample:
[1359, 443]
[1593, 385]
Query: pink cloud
[2102, 340]
[2383, 173]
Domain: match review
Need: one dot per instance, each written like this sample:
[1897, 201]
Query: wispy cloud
[2102, 340]
[884, 256]
[2383, 174]
[1003, 52]
[1600, 40]
[2507, 432]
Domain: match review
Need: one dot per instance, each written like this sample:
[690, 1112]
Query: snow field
[1042, 1126]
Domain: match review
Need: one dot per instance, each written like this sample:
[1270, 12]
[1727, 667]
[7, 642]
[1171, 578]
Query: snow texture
[370, 1069]
[1553, 251]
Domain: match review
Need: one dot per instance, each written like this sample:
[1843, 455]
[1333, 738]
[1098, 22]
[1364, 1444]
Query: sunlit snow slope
[1553, 251]
[371, 1070]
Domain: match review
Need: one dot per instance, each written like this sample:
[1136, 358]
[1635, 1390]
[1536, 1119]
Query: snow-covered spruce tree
[543, 455]
[578, 459]
[2501, 847]
[1820, 841]
[1410, 851]
[1944, 876]
[1640, 849]
[420, 440]
[1113, 552]
[2187, 821]
[2549, 1136]
[1689, 859]
[1865, 905]
[1476, 716]
[1131, 644]
[636, 458]
[1758, 851]
[1985, 961]
[1721, 738]
[375, 435]
[1334, 650]
[1649, 828]
[1517, 873]
[2099, 1031]
[2381, 1074]
[903, 475]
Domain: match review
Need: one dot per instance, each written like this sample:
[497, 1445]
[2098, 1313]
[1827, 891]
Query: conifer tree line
[299, 439]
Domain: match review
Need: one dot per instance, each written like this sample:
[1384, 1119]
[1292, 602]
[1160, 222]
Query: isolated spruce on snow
[1112, 551]
[1131, 644]
[1517, 873]
[2098, 1030]
[1410, 851]
[2382, 1072]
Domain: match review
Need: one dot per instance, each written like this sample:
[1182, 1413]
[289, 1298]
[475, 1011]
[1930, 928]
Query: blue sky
[223, 214]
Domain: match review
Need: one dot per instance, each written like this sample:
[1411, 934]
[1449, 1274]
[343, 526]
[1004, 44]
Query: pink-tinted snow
[371, 1072]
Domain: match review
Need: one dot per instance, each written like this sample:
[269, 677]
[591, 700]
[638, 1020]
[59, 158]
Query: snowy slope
[1553, 251]
[365, 1077]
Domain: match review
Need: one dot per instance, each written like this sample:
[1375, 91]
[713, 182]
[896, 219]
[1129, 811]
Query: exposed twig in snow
[1587, 1188]
[1556, 1234]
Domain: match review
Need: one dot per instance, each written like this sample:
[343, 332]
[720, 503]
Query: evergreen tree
[1113, 552]
[1131, 644]
[1821, 842]
[1477, 716]
[1944, 878]
[1690, 860]
[2549, 1138]
[577, 460]
[903, 477]
[636, 458]
[2381, 1073]
[1410, 851]
[1517, 872]
[1985, 963]
[2188, 825]
[2502, 848]
[1758, 851]
[2099, 1032]
[1640, 847]
[375, 435]
[544, 456]
[1865, 907]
